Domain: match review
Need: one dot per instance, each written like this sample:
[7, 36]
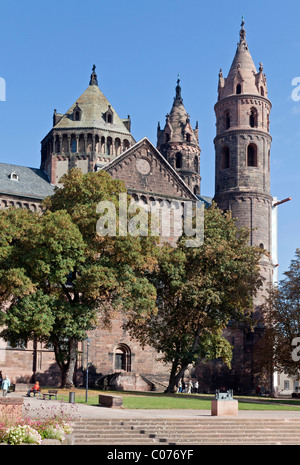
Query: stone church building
[91, 136]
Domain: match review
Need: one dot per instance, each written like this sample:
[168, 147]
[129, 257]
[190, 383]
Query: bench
[51, 393]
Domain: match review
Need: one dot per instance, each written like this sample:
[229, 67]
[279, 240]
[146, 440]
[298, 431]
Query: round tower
[179, 143]
[242, 168]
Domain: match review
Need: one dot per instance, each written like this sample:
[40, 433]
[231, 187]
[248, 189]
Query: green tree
[280, 346]
[200, 290]
[60, 279]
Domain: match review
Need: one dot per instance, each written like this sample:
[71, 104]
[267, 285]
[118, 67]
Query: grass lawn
[141, 400]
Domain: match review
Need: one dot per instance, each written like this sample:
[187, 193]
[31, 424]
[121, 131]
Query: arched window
[238, 89]
[102, 149]
[125, 144]
[252, 155]
[178, 161]
[196, 164]
[117, 146]
[253, 118]
[262, 92]
[108, 146]
[73, 146]
[122, 358]
[225, 158]
[196, 190]
[227, 120]
[188, 137]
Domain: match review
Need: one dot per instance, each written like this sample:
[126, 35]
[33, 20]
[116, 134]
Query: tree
[200, 290]
[280, 345]
[60, 279]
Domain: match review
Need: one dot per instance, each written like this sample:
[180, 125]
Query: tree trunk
[69, 380]
[67, 368]
[174, 378]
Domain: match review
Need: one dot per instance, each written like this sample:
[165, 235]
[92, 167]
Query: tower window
[196, 164]
[262, 92]
[108, 146]
[227, 120]
[188, 138]
[252, 155]
[238, 89]
[178, 162]
[225, 158]
[73, 146]
[253, 118]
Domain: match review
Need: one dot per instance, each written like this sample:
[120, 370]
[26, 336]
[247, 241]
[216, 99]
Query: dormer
[77, 113]
[109, 116]
[13, 176]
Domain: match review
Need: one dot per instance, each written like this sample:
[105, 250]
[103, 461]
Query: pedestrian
[179, 386]
[196, 387]
[258, 391]
[36, 388]
[5, 385]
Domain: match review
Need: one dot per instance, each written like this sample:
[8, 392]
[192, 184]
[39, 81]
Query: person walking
[5, 385]
[196, 387]
[179, 386]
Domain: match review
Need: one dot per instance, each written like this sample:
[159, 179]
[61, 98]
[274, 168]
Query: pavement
[38, 408]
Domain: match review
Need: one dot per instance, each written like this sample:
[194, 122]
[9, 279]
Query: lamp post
[87, 370]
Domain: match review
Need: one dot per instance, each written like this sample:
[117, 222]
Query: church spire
[93, 79]
[243, 77]
[178, 98]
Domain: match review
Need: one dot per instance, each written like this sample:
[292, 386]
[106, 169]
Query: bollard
[71, 397]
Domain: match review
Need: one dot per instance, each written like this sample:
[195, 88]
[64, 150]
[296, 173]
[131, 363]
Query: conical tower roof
[94, 107]
[243, 77]
[178, 120]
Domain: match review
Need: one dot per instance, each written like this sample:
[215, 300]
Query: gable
[143, 169]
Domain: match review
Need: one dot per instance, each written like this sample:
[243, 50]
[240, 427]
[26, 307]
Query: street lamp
[87, 370]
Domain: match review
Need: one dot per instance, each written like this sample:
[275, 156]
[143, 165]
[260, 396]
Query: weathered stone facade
[92, 137]
[242, 186]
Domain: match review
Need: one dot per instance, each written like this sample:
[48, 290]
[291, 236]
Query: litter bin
[72, 397]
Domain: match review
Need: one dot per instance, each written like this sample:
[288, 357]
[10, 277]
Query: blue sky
[139, 47]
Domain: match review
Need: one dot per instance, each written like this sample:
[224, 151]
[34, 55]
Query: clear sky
[139, 47]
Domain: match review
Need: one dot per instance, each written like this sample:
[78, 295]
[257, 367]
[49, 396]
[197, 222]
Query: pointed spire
[93, 79]
[178, 99]
[242, 31]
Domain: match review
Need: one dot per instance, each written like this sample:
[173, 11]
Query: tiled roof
[93, 105]
[24, 181]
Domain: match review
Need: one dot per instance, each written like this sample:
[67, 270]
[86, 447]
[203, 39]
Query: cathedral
[91, 136]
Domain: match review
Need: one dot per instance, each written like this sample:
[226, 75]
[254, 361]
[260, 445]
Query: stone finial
[93, 79]
[242, 31]
[178, 98]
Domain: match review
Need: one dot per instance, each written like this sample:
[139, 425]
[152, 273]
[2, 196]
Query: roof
[29, 182]
[131, 182]
[93, 105]
[207, 200]
[178, 120]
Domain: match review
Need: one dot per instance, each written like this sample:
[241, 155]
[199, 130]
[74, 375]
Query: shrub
[22, 434]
